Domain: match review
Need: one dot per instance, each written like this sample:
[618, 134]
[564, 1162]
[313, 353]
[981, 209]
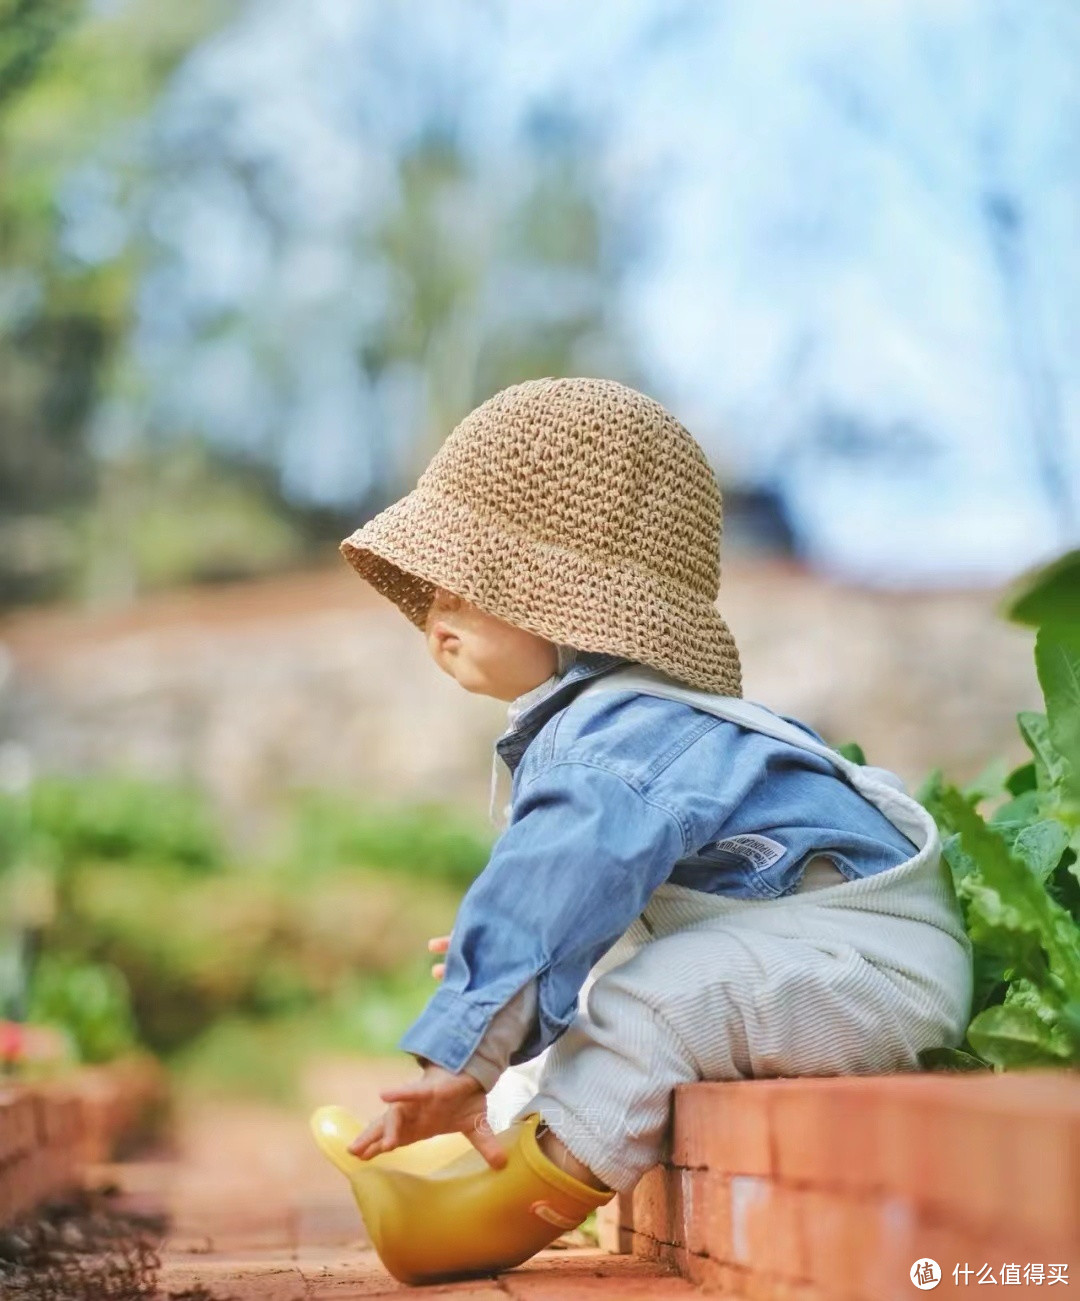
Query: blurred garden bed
[52, 1129]
[131, 923]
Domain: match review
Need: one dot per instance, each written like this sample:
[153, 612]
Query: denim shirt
[608, 800]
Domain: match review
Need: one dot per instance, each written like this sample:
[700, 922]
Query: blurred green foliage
[147, 927]
[100, 818]
[28, 30]
[263, 1056]
[90, 1001]
[419, 840]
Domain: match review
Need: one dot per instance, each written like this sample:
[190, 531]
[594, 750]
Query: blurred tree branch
[73, 86]
[28, 31]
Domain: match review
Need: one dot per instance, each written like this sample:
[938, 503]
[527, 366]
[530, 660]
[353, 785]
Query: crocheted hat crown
[575, 508]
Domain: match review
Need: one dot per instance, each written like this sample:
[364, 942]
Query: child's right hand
[439, 945]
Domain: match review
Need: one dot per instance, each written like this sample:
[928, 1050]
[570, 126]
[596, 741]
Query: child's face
[483, 653]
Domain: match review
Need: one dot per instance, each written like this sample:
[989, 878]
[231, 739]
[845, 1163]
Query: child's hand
[439, 945]
[440, 1102]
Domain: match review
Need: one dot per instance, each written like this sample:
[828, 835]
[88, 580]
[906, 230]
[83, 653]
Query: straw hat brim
[427, 540]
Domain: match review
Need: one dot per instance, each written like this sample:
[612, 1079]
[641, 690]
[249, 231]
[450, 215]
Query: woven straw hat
[578, 509]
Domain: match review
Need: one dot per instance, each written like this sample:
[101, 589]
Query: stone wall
[313, 679]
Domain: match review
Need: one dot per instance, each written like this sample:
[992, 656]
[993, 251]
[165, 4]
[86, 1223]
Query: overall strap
[733, 708]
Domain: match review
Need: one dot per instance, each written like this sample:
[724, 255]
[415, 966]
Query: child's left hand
[437, 1103]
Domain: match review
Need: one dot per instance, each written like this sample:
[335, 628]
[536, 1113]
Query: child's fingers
[367, 1139]
[438, 970]
[392, 1134]
[439, 944]
[483, 1139]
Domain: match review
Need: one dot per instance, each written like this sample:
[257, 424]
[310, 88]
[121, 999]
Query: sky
[856, 235]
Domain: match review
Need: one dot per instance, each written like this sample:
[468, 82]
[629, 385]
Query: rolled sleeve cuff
[483, 1070]
[508, 1029]
[448, 1029]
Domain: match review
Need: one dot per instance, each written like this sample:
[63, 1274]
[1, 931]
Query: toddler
[688, 885]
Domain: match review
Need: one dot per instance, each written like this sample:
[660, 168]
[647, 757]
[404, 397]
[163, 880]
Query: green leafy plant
[1017, 871]
[89, 1001]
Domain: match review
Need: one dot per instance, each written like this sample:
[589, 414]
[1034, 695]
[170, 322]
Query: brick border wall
[50, 1132]
[802, 1190]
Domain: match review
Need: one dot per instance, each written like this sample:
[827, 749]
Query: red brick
[30, 1179]
[765, 1287]
[986, 1157]
[802, 1292]
[901, 1155]
[59, 1118]
[950, 1246]
[836, 1237]
[766, 1231]
[760, 1287]
[653, 1208]
[1020, 1093]
[855, 1131]
[18, 1123]
[931, 1160]
[646, 1248]
[662, 1201]
[675, 1258]
[615, 1224]
[857, 1247]
[962, 1172]
[886, 1272]
[12, 1186]
[28, 1183]
[806, 1292]
[827, 1132]
[722, 1127]
[1042, 1172]
[707, 1213]
[48, 1131]
[713, 1276]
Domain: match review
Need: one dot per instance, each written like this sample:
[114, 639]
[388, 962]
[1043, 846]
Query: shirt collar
[530, 711]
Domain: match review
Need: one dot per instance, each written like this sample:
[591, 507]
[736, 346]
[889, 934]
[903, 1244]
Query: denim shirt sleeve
[583, 852]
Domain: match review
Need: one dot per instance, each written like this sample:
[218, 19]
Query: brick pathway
[258, 1213]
